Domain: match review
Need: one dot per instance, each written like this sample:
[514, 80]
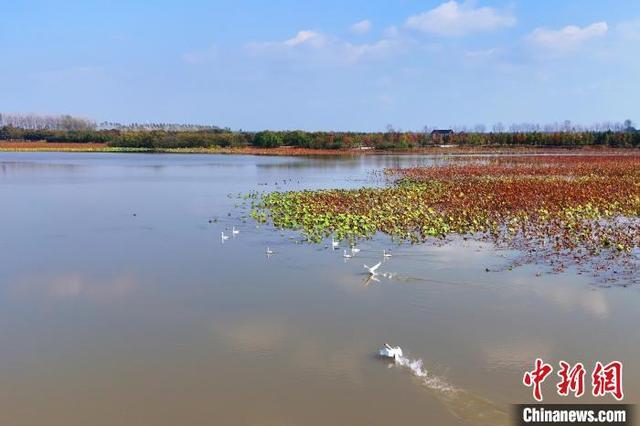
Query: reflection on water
[9, 168]
[109, 318]
[72, 286]
[252, 336]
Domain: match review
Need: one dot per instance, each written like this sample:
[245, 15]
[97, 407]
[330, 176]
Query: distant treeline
[68, 122]
[178, 127]
[49, 122]
[68, 129]
[162, 139]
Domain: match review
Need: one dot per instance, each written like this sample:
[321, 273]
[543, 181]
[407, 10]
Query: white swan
[235, 231]
[347, 255]
[372, 270]
[385, 253]
[269, 251]
[334, 244]
[355, 250]
[389, 351]
[223, 237]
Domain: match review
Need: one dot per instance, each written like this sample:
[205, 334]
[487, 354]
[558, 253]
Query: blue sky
[329, 65]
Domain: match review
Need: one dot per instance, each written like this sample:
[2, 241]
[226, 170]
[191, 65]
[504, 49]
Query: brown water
[107, 318]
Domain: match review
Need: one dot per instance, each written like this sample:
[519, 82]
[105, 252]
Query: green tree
[297, 138]
[267, 139]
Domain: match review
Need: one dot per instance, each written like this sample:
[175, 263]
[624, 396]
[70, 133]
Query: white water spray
[417, 368]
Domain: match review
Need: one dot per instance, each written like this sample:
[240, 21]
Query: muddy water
[111, 318]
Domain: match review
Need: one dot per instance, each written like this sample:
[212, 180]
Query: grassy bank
[22, 146]
[40, 146]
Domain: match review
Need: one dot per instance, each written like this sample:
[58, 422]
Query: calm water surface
[107, 318]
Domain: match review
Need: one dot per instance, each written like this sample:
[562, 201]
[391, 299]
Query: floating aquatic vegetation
[563, 209]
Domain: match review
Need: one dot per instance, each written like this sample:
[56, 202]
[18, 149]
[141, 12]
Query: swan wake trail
[417, 368]
[462, 404]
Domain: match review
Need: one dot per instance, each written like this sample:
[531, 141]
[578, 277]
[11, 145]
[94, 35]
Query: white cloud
[356, 52]
[486, 53]
[306, 37]
[458, 19]
[361, 27]
[391, 31]
[567, 38]
[303, 38]
[321, 47]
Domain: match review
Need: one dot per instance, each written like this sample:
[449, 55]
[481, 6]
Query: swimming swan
[388, 351]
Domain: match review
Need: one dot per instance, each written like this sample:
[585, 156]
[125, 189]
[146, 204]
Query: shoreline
[11, 146]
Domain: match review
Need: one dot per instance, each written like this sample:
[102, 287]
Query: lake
[121, 305]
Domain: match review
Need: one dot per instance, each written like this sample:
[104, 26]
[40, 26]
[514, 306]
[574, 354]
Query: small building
[441, 135]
